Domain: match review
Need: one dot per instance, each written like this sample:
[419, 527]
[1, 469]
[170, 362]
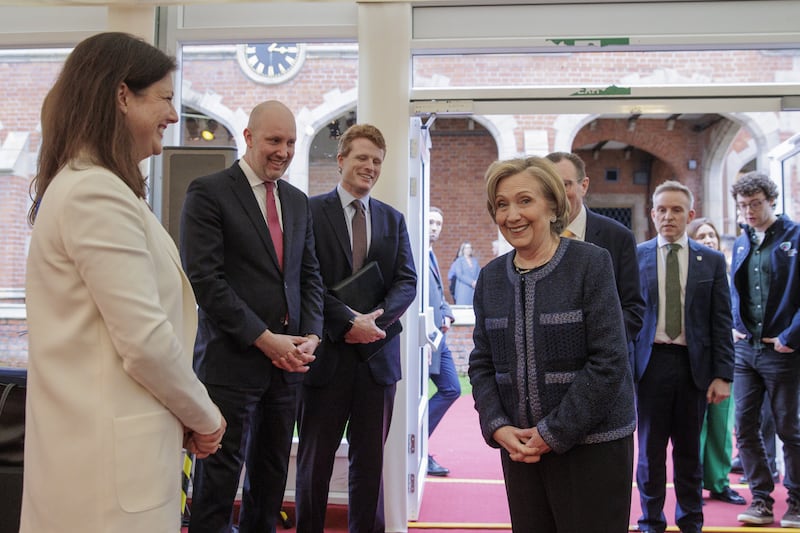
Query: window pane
[27, 76]
[604, 69]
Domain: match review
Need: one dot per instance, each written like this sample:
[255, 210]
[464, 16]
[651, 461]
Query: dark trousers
[259, 435]
[559, 493]
[448, 388]
[762, 372]
[353, 399]
[670, 408]
[767, 434]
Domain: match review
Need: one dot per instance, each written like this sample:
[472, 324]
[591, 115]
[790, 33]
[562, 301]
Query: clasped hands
[203, 445]
[522, 445]
[365, 330]
[291, 353]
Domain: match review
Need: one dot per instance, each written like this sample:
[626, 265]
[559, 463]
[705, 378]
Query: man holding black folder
[361, 243]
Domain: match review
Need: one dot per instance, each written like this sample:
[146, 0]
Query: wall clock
[271, 62]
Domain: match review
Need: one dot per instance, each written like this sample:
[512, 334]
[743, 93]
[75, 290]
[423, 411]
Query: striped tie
[672, 290]
[359, 235]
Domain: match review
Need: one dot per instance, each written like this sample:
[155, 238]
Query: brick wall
[16, 231]
[461, 150]
[459, 158]
[459, 340]
[13, 343]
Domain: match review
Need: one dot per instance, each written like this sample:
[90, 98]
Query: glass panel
[606, 69]
[318, 81]
[791, 186]
[27, 75]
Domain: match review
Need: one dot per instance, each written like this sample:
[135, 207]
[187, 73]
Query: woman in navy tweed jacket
[549, 371]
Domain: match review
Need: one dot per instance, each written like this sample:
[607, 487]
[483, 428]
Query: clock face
[271, 62]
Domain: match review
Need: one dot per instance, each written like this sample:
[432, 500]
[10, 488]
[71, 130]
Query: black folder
[364, 292]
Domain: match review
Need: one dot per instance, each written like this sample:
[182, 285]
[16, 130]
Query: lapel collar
[335, 214]
[695, 266]
[244, 193]
[288, 227]
[651, 268]
[434, 269]
[376, 225]
[591, 231]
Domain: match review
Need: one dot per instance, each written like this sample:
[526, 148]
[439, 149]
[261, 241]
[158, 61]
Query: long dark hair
[80, 115]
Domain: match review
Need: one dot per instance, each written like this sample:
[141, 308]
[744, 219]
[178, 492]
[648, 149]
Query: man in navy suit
[606, 233]
[442, 368]
[353, 381]
[247, 245]
[683, 358]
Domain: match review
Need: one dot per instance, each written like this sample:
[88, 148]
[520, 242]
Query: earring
[553, 219]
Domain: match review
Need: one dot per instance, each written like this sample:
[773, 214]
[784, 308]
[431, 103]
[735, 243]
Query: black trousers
[585, 489]
[670, 407]
[259, 435]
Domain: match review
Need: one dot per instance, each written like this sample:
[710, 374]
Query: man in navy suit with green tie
[683, 358]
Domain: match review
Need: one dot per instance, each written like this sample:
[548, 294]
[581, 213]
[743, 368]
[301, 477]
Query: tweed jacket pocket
[562, 335]
[505, 387]
[502, 352]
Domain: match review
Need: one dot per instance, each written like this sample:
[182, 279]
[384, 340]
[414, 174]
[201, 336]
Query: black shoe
[736, 466]
[435, 469]
[728, 495]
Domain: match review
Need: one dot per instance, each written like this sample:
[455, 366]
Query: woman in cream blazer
[112, 321]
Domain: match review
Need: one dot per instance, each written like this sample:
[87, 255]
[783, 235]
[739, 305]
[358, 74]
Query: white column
[384, 58]
[136, 20]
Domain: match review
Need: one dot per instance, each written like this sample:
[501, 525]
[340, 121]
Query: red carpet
[473, 498]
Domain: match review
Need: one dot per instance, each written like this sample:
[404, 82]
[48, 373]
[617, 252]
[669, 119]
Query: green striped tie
[672, 286]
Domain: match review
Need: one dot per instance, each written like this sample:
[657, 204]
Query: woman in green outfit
[716, 438]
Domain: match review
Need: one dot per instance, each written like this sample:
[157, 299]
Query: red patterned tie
[274, 223]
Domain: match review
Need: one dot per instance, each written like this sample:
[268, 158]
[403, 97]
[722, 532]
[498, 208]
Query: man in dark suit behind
[353, 381]
[247, 245]
[683, 358]
[607, 233]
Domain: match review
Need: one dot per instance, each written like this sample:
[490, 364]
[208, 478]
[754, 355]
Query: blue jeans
[761, 371]
[448, 388]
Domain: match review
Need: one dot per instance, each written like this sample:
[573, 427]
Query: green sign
[611, 90]
[600, 41]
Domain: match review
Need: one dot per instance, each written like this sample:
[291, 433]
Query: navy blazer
[620, 243]
[391, 248]
[230, 260]
[441, 309]
[707, 313]
[782, 313]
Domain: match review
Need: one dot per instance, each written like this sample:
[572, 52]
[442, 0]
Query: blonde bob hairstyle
[542, 172]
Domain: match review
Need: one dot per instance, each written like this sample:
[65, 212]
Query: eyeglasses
[753, 205]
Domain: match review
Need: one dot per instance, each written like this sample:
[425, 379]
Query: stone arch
[566, 129]
[309, 122]
[210, 103]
